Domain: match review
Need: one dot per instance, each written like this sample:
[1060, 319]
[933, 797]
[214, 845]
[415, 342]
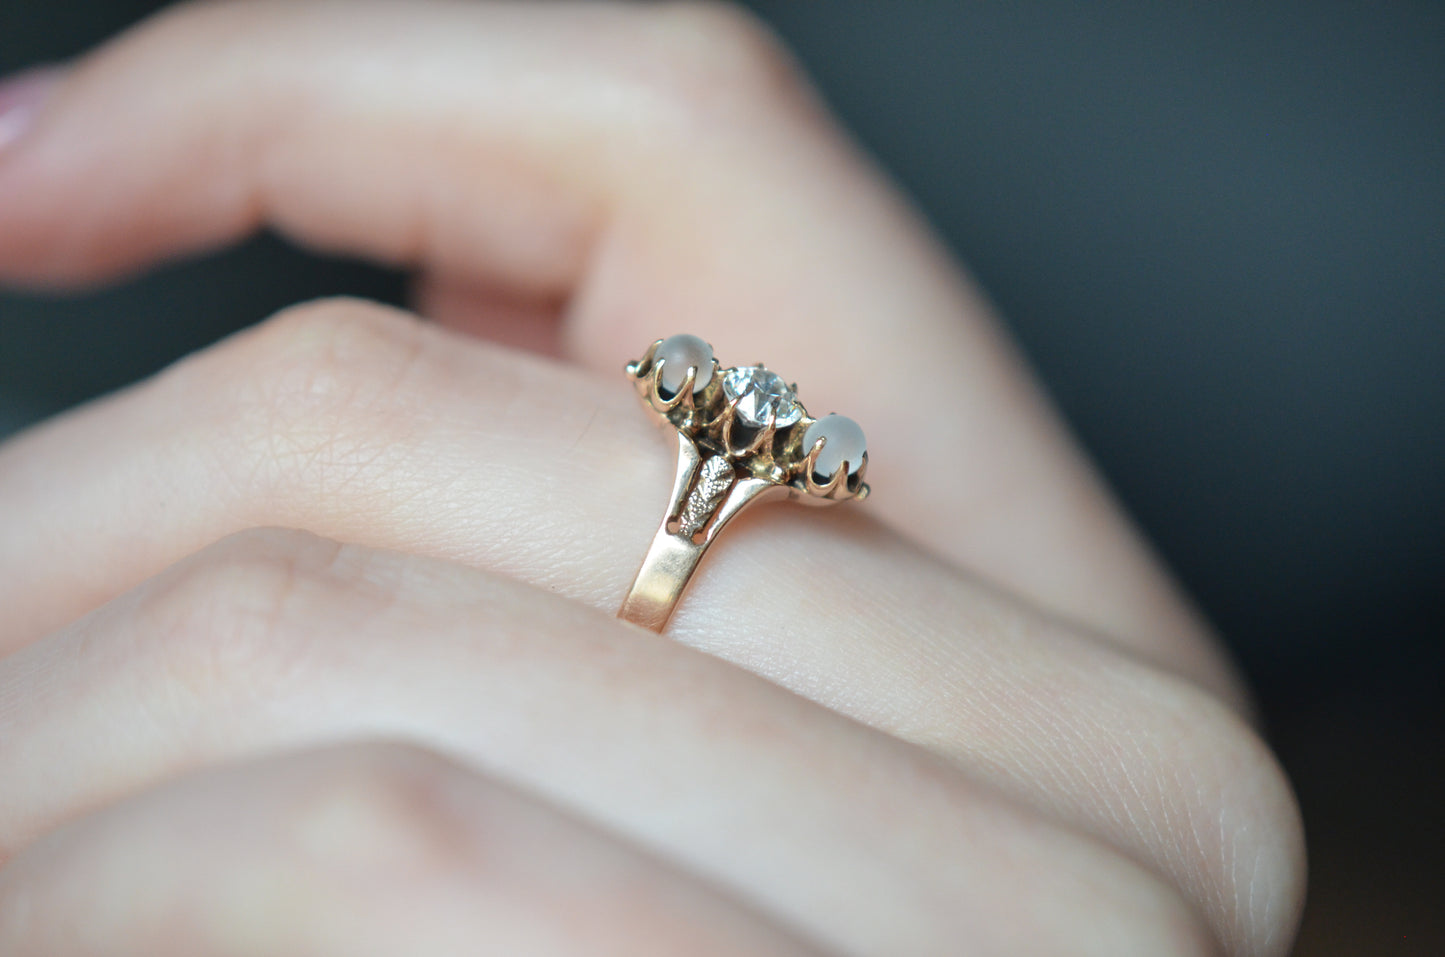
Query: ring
[742, 437]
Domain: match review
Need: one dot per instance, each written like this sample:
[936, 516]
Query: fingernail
[21, 98]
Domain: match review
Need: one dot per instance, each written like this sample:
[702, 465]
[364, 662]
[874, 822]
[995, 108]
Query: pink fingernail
[21, 98]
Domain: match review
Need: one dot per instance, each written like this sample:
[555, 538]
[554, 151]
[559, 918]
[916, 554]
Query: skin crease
[997, 722]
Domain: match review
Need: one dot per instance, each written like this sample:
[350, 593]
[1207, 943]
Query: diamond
[761, 394]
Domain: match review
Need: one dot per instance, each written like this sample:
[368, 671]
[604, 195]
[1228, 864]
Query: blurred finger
[364, 851]
[629, 168]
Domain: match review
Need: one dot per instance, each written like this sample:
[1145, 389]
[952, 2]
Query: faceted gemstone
[680, 352]
[761, 394]
[845, 444]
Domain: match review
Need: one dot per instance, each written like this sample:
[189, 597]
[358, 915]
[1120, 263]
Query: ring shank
[661, 580]
[674, 555]
[719, 472]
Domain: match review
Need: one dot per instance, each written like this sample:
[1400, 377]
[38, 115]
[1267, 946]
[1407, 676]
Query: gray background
[1219, 231]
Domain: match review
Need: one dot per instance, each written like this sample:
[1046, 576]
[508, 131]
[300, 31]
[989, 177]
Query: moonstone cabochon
[845, 444]
[678, 353]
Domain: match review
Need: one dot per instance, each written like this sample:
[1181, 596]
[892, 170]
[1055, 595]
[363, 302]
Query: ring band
[742, 437]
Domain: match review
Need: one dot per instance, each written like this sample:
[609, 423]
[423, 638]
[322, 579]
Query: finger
[356, 422]
[269, 641]
[628, 166]
[363, 426]
[377, 850]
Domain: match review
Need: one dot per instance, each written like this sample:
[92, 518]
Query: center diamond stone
[761, 394]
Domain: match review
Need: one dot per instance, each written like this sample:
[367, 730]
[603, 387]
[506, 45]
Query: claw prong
[655, 388]
[810, 464]
[664, 405]
[684, 393]
[862, 471]
[727, 417]
[840, 477]
[765, 434]
[634, 369]
[812, 458]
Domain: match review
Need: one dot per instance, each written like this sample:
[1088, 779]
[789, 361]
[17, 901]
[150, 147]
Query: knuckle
[190, 19]
[1161, 769]
[332, 347]
[1245, 830]
[1130, 905]
[1197, 791]
[382, 807]
[716, 57]
[182, 25]
[223, 626]
[321, 393]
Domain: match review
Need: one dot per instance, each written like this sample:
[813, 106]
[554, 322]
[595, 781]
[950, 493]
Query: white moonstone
[680, 352]
[761, 394]
[845, 444]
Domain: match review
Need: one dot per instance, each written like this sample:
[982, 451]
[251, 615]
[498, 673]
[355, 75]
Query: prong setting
[742, 438]
[765, 447]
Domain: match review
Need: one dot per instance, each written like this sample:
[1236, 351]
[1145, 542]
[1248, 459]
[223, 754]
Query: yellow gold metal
[851, 485]
[683, 398]
[723, 466]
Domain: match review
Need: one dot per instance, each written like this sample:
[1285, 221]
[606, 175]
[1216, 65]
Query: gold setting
[723, 465]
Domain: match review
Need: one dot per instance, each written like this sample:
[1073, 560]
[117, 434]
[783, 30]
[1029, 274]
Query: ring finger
[359, 423]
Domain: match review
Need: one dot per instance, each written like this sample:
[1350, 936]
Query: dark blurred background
[1218, 230]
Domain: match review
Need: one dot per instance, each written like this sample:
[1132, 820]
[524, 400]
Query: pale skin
[972, 715]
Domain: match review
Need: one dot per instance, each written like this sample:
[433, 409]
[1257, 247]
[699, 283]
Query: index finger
[642, 170]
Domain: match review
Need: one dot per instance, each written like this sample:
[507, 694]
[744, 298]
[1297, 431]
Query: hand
[971, 715]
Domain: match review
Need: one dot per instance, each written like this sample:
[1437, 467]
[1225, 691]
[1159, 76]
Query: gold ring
[742, 437]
